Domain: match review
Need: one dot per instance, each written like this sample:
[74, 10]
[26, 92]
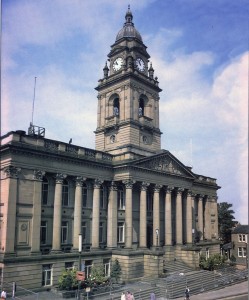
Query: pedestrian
[187, 290]
[128, 296]
[3, 295]
[123, 296]
[132, 296]
[152, 296]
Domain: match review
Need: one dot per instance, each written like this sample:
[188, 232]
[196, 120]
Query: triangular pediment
[166, 163]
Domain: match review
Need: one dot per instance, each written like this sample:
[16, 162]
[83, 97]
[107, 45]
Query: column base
[34, 253]
[55, 251]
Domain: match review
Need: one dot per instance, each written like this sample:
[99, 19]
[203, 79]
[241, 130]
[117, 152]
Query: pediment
[165, 163]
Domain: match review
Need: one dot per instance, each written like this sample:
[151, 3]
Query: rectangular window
[69, 265]
[107, 267]
[101, 232]
[149, 201]
[242, 238]
[83, 225]
[84, 196]
[64, 232]
[88, 267]
[241, 251]
[46, 275]
[103, 197]
[121, 199]
[43, 237]
[45, 192]
[121, 232]
[65, 194]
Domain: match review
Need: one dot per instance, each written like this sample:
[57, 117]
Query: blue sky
[198, 48]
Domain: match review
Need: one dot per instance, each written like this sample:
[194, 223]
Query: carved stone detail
[97, 183]
[157, 188]
[144, 186]
[189, 193]
[38, 175]
[128, 183]
[113, 186]
[12, 172]
[79, 180]
[164, 164]
[179, 190]
[59, 177]
[169, 189]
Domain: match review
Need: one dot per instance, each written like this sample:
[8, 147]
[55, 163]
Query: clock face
[140, 65]
[117, 64]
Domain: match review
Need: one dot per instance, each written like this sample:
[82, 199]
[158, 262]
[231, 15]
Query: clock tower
[128, 99]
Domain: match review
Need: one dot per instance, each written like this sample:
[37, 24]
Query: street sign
[80, 275]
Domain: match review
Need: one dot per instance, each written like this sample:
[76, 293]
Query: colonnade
[188, 221]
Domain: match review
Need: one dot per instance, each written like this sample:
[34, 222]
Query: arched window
[116, 107]
[65, 193]
[45, 191]
[141, 107]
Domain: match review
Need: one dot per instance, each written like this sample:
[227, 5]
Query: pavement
[226, 293]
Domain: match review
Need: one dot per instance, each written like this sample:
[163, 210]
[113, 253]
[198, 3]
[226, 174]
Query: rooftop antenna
[35, 130]
[33, 103]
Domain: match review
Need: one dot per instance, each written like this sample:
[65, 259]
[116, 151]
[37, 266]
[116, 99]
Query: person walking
[152, 296]
[3, 295]
[123, 296]
[187, 290]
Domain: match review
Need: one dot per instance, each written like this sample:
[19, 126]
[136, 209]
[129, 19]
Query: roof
[241, 229]
[128, 30]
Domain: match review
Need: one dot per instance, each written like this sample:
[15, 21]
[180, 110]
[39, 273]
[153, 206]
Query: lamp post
[79, 268]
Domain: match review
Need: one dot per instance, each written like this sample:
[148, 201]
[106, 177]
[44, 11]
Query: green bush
[116, 270]
[67, 280]
[213, 262]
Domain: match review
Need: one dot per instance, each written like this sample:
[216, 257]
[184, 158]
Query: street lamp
[157, 233]
[79, 268]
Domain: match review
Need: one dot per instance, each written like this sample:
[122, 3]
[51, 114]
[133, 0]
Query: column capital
[179, 190]
[189, 193]
[59, 177]
[11, 172]
[38, 175]
[193, 195]
[113, 186]
[129, 183]
[169, 189]
[79, 180]
[97, 183]
[144, 186]
[201, 196]
[157, 188]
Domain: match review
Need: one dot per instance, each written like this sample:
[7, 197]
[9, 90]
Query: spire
[151, 71]
[128, 17]
[106, 70]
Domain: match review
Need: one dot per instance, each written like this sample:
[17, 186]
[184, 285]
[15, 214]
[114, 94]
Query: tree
[67, 280]
[225, 221]
[116, 270]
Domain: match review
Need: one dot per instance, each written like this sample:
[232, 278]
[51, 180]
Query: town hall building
[128, 198]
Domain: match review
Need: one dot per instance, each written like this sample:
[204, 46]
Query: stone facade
[129, 199]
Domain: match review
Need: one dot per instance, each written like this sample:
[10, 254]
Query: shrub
[116, 270]
[67, 280]
[213, 262]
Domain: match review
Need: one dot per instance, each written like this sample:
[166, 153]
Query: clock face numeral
[117, 64]
[140, 65]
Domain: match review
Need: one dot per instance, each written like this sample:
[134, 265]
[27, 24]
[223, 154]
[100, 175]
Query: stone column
[189, 218]
[156, 216]
[214, 217]
[56, 244]
[8, 210]
[194, 227]
[112, 218]
[36, 220]
[95, 213]
[200, 216]
[128, 213]
[179, 216]
[207, 219]
[168, 216]
[77, 211]
[143, 216]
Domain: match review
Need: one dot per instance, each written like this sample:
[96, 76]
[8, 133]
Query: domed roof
[128, 30]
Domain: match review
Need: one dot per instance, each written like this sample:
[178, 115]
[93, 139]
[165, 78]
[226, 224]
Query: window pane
[45, 191]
